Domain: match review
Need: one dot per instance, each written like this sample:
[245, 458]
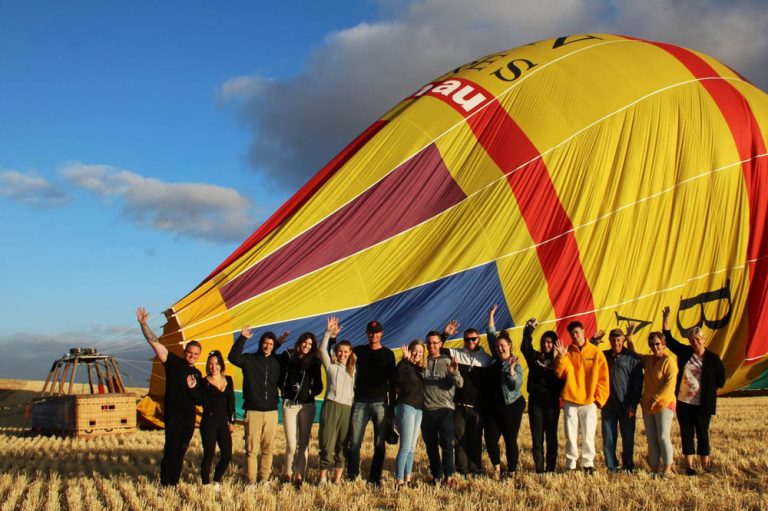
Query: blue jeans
[361, 414]
[613, 419]
[409, 421]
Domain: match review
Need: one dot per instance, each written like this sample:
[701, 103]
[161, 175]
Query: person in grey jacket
[441, 377]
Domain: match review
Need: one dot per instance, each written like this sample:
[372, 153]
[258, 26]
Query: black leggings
[543, 418]
[504, 420]
[212, 433]
[693, 420]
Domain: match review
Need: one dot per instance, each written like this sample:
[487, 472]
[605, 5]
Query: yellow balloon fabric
[593, 177]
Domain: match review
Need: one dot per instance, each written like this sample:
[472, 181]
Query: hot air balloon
[593, 177]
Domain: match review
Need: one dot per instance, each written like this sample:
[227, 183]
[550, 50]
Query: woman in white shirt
[337, 406]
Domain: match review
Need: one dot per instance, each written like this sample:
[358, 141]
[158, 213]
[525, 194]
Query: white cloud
[299, 123]
[29, 188]
[197, 210]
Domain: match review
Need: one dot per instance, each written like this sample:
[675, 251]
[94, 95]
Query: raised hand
[191, 381]
[532, 323]
[598, 337]
[492, 317]
[451, 328]
[512, 364]
[333, 326]
[665, 311]
[142, 315]
[630, 329]
[246, 332]
[406, 352]
[560, 349]
[283, 337]
[454, 365]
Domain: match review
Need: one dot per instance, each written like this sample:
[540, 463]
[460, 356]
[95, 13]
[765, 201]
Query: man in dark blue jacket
[626, 381]
[261, 380]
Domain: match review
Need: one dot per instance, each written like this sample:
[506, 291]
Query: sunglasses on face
[472, 339]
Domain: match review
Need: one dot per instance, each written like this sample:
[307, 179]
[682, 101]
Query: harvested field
[121, 472]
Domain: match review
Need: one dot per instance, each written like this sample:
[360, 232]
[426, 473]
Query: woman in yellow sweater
[658, 403]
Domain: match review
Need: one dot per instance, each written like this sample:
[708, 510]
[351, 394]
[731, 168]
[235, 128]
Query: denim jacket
[511, 386]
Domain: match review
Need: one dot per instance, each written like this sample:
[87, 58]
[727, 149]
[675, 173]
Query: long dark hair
[313, 352]
[218, 356]
[551, 335]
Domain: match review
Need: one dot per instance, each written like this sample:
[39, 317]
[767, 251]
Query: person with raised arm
[468, 419]
[409, 405]
[373, 381]
[337, 406]
[625, 371]
[178, 404]
[216, 394]
[504, 403]
[700, 374]
[544, 389]
[585, 371]
[262, 374]
[658, 402]
[441, 378]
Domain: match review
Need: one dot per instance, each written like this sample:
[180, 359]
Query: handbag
[391, 434]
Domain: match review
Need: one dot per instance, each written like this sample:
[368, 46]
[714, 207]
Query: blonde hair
[421, 364]
[351, 359]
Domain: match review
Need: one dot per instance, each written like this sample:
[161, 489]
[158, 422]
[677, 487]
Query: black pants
[214, 432]
[504, 420]
[437, 431]
[543, 418]
[468, 428]
[693, 420]
[178, 433]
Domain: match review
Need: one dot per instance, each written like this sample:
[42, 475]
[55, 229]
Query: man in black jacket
[468, 421]
[261, 379]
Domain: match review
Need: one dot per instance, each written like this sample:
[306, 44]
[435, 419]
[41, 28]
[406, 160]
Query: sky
[142, 142]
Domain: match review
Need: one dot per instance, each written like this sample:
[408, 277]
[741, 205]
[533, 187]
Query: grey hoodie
[439, 384]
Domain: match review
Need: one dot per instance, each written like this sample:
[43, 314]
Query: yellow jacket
[659, 377]
[585, 372]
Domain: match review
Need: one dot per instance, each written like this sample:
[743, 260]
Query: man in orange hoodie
[585, 371]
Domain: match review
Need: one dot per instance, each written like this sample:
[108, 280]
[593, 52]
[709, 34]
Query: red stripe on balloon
[544, 214]
[416, 191]
[750, 143]
[300, 197]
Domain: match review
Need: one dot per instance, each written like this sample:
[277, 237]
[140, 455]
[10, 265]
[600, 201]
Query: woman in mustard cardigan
[658, 404]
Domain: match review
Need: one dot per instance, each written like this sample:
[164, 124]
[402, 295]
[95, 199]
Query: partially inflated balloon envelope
[589, 177]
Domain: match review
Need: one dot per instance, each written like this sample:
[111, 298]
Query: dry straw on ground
[121, 473]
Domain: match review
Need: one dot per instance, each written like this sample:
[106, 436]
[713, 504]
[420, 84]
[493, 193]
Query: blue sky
[141, 142]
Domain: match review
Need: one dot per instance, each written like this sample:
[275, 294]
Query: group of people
[455, 398]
